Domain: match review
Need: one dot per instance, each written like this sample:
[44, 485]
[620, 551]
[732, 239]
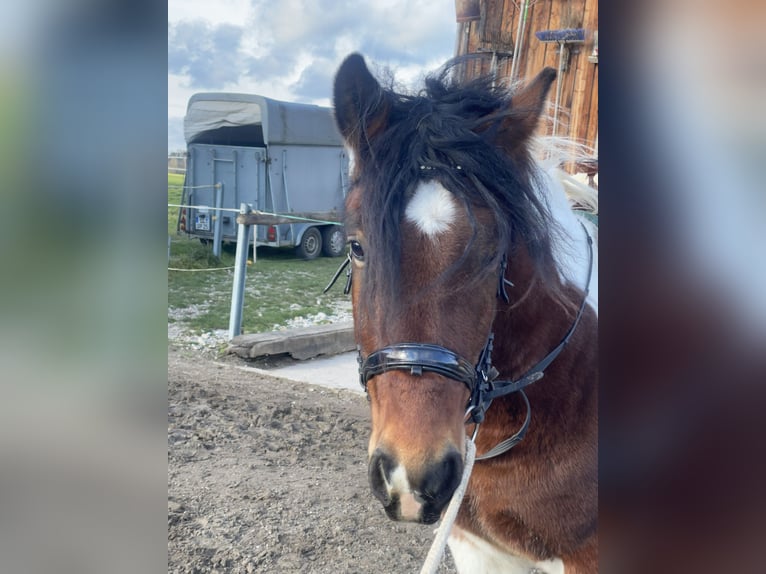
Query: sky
[290, 49]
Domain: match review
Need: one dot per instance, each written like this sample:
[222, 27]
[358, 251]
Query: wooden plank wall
[495, 31]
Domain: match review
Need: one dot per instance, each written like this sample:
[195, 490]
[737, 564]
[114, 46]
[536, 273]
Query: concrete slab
[336, 372]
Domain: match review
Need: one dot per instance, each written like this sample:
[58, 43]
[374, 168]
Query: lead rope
[436, 552]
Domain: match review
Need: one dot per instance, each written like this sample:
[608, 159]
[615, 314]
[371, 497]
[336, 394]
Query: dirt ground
[269, 475]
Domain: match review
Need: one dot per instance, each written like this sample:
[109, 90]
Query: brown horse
[470, 281]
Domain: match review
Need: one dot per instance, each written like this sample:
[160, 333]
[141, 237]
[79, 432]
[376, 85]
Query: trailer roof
[279, 122]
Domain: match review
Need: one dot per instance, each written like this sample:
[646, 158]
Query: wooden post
[258, 218]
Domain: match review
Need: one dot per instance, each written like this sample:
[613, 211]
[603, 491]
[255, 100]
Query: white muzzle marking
[409, 506]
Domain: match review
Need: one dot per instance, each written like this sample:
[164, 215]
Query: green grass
[278, 286]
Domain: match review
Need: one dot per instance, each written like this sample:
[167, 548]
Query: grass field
[279, 288]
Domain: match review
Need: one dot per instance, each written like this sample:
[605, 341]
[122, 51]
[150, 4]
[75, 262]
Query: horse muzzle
[415, 494]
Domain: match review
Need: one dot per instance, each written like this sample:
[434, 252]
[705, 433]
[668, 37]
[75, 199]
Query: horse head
[440, 197]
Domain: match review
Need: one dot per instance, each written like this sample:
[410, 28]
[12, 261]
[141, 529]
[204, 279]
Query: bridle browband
[480, 379]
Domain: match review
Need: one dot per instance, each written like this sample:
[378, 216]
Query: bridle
[480, 379]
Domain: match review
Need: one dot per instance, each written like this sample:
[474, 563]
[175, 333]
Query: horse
[473, 288]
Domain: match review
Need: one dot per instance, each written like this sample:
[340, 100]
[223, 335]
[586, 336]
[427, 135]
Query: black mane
[447, 132]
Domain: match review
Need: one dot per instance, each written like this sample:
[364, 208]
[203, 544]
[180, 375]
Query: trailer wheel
[311, 244]
[333, 241]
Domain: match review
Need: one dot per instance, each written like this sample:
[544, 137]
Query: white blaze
[432, 209]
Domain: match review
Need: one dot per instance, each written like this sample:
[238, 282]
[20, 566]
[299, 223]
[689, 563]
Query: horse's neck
[534, 321]
[528, 327]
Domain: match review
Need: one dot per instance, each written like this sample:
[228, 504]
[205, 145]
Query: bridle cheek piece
[480, 379]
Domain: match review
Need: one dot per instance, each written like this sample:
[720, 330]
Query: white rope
[204, 207]
[295, 217]
[257, 212]
[208, 269]
[436, 552]
[206, 186]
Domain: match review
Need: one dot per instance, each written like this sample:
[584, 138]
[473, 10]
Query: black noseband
[417, 358]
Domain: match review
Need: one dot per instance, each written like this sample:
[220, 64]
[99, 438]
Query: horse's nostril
[379, 470]
[442, 478]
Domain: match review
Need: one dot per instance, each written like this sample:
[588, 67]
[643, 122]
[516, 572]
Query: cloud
[300, 38]
[209, 55]
[291, 50]
[270, 65]
[315, 81]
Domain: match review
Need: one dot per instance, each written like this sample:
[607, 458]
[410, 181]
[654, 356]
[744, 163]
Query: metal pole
[240, 271]
[559, 82]
[519, 40]
[218, 225]
[255, 240]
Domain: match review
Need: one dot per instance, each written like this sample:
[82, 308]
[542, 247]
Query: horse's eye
[356, 250]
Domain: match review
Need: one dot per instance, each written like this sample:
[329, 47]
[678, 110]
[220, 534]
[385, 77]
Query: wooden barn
[515, 39]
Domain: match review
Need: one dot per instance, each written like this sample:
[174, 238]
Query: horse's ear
[361, 107]
[526, 108]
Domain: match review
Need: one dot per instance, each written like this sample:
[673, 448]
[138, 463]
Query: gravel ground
[269, 475]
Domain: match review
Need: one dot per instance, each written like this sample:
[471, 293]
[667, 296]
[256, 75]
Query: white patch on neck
[571, 250]
[351, 159]
[432, 209]
[472, 555]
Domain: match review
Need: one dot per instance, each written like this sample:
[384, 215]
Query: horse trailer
[279, 157]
